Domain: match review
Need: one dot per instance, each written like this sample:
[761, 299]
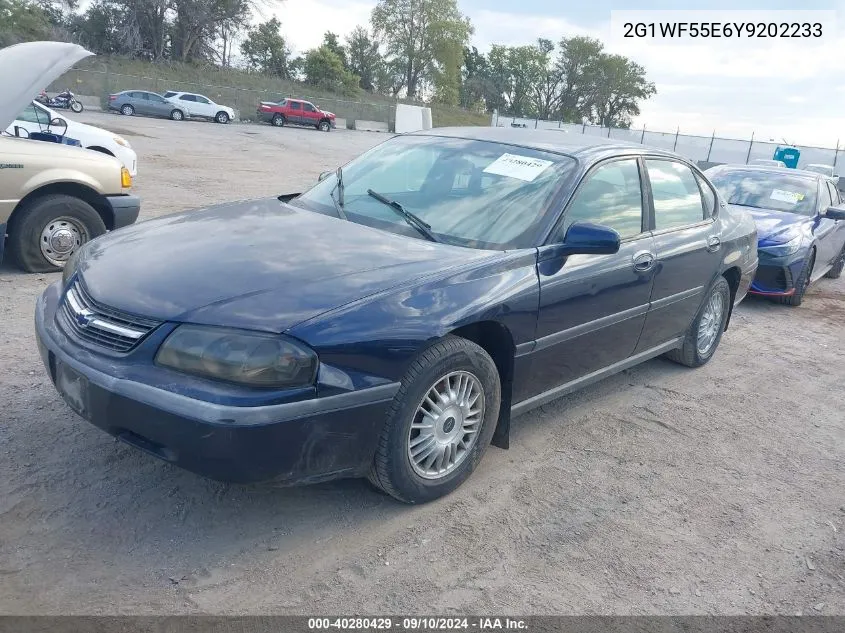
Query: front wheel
[440, 422]
[222, 117]
[49, 229]
[706, 331]
[324, 126]
[76, 106]
[177, 115]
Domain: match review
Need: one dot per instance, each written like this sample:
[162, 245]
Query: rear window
[774, 190]
[169, 94]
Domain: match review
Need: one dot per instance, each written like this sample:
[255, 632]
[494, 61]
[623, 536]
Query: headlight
[787, 248]
[121, 141]
[70, 267]
[239, 356]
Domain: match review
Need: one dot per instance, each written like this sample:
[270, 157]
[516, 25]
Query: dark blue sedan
[391, 320]
[800, 226]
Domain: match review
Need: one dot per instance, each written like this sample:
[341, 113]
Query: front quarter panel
[380, 335]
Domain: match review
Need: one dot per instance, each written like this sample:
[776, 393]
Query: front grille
[773, 278]
[87, 320]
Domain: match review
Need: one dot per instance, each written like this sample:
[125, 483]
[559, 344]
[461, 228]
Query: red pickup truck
[295, 112]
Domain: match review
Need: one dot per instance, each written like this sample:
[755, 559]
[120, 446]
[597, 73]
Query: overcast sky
[778, 88]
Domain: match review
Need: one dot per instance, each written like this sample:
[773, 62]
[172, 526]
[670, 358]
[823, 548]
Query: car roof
[582, 146]
[771, 169]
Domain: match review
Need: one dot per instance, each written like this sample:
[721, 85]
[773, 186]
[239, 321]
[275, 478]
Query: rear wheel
[278, 120]
[836, 271]
[222, 117]
[48, 230]
[440, 422]
[127, 110]
[801, 284]
[177, 115]
[76, 106]
[706, 331]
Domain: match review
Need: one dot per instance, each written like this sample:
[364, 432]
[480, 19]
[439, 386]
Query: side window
[707, 195]
[612, 197]
[187, 98]
[157, 98]
[677, 198]
[825, 200]
[30, 115]
[294, 105]
[169, 94]
[834, 193]
[309, 107]
[200, 99]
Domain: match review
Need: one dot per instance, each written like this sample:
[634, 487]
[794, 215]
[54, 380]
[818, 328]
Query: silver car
[131, 102]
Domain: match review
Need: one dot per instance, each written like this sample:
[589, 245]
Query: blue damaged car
[800, 226]
[389, 322]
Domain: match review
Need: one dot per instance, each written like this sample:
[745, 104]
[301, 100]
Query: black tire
[31, 220]
[177, 115]
[127, 110]
[801, 285]
[392, 471]
[76, 106]
[836, 271]
[278, 120]
[324, 126]
[689, 354]
[222, 117]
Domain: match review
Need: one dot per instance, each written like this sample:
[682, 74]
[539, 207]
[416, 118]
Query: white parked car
[36, 117]
[768, 162]
[826, 170]
[200, 106]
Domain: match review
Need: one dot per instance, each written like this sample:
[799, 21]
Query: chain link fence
[702, 149]
[100, 83]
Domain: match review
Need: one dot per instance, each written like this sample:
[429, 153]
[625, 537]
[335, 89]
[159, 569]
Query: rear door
[687, 245]
[294, 112]
[188, 103]
[593, 307]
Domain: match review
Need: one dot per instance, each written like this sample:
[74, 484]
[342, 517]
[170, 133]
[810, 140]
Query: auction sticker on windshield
[786, 196]
[516, 166]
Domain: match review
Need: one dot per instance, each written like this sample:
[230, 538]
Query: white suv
[200, 106]
[36, 117]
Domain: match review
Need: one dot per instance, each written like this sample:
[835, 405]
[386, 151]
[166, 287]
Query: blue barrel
[789, 156]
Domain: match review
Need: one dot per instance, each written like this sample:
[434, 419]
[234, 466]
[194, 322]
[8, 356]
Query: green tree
[331, 41]
[416, 33]
[266, 50]
[325, 69]
[475, 83]
[364, 58]
[620, 85]
[578, 66]
[25, 21]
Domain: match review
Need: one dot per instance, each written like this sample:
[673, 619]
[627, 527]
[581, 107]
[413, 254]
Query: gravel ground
[662, 490]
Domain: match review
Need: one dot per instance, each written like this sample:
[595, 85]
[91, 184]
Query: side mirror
[586, 238]
[324, 175]
[835, 213]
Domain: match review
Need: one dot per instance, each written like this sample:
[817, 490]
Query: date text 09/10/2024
[417, 624]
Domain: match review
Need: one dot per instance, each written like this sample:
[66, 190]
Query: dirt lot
[662, 490]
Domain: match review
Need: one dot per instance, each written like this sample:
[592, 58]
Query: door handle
[713, 243]
[643, 261]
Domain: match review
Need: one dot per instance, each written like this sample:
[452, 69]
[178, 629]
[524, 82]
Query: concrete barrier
[370, 126]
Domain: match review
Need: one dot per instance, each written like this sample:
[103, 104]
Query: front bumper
[305, 441]
[125, 209]
[776, 275]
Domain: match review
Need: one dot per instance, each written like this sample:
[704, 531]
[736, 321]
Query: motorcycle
[65, 100]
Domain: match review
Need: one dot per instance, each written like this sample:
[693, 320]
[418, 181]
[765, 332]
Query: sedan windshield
[778, 191]
[470, 193]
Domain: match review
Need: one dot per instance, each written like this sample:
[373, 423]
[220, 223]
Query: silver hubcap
[60, 238]
[177, 115]
[446, 425]
[222, 117]
[127, 110]
[711, 320]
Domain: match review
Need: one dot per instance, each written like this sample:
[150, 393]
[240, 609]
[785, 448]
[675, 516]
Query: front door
[592, 308]
[830, 234]
[687, 245]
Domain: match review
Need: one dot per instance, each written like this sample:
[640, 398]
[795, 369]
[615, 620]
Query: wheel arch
[733, 276]
[101, 149]
[497, 340]
[74, 189]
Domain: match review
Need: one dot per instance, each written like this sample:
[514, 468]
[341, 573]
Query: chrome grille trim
[83, 318]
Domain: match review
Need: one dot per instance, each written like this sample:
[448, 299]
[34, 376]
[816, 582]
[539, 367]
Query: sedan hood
[27, 69]
[258, 264]
[777, 227]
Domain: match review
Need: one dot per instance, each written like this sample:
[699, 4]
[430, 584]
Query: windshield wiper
[415, 221]
[338, 202]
